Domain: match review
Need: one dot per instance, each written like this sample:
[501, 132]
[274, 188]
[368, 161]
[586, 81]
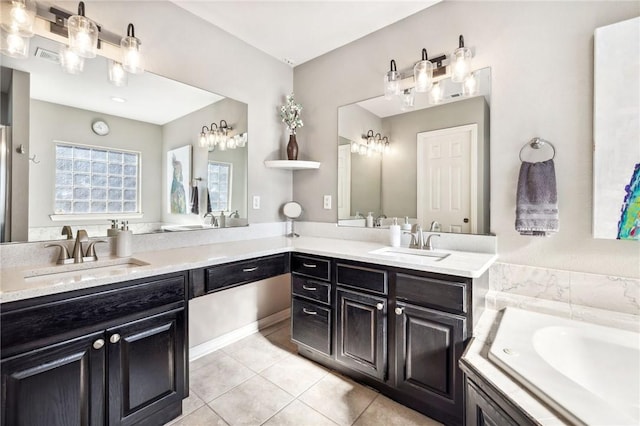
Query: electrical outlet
[327, 202]
[256, 202]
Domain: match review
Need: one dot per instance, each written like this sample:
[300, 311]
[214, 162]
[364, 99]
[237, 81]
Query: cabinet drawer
[26, 325]
[233, 274]
[311, 266]
[311, 289]
[450, 296]
[311, 325]
[374, 280]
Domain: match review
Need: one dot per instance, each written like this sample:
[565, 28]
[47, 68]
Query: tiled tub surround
[14, 286]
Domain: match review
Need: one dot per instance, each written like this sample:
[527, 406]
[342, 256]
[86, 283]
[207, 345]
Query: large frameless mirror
[79, 150]
[417, 160]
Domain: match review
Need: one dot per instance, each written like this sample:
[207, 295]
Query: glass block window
[96, 180]
[219, 177]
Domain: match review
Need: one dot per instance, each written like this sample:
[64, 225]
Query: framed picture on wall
[178, 179]
[616, 131]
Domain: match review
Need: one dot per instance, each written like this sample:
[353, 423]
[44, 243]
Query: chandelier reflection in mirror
[84, 37]
[217, 136]
[371, 144]
[425, 76]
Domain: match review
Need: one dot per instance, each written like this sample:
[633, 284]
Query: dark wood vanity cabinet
[400, 331]
[115, 356]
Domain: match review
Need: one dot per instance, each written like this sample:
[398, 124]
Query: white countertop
[14, 286]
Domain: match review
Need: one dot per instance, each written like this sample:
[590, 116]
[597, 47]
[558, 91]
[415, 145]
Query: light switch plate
[327, 202]
[256, 202]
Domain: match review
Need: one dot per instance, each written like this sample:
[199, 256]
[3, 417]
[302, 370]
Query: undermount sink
[411, 254]
[91, 269]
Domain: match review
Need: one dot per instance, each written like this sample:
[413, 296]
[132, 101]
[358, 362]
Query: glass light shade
[470, 86]
[391, 84]
[132, 60]
[14, 45]
[202, 140]
[408, 100]
[423, 76]
[460, 64]
[231, 143]
[222, 145]
[354, 147]
[242, 140]
[362, 150]
[436, 94]
[70, 61]
[212, 137]
[19, 17]
[387, 148]
[83, 36]
[117, 75]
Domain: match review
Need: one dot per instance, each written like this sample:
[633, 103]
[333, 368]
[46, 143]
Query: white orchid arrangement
[290, 114]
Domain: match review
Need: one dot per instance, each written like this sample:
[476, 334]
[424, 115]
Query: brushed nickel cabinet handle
[309, 265]
[308, 312]
[250, 269]
[98, 344]
[115, 338]
[309, 288]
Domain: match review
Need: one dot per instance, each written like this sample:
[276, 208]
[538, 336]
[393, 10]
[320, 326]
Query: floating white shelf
[292, 164]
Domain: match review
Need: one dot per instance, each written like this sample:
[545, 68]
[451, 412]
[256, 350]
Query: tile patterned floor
[260, 380]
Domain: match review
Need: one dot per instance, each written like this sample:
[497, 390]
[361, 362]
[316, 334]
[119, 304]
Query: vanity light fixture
[17, 27]
[370, 144]
[392, 81]
[117, 74]
[460, 62]
[131, 58]
[70, 61]
[83, 34]
[423, 74]
[387, 148]
[218, 135]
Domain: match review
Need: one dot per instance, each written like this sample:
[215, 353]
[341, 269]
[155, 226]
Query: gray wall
[185, 131]
[553, 101]
[20, 164]
[48, 126]
[399, 169]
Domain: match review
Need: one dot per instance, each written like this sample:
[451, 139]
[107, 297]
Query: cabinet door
[362, 332]
[482, 411]
[311, 325]
[146, 366]
[428, 346]
[61, 384]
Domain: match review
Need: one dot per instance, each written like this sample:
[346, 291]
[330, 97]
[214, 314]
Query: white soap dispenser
[124, 240]
[394, 233]
[222, 222]
[369, 220]
[405, 237]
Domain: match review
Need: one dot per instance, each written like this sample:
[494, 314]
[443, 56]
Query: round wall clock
[100, 127]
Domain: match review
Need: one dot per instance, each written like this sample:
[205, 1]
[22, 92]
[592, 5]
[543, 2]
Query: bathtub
[589, 373]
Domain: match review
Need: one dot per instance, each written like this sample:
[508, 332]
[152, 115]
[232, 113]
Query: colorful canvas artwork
[629, 224]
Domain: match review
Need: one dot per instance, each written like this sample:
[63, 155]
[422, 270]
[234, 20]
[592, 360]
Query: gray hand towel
[209, 210]
[195, 202]
[537, 199]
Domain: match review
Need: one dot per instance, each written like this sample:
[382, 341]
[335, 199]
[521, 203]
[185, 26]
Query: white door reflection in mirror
[446, 162]
[344, 181]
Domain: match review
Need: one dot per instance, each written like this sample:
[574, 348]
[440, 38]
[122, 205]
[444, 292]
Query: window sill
[101, 217]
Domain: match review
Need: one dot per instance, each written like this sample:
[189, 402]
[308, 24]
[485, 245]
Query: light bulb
[436, 94]
[117, 74]
[222, 145]
[70, 61]
[354, 147]
[14, 45]
[423, 76]
[202, 140]
[470, 86]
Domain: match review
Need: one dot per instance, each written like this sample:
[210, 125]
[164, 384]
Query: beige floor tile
[282, 338]
[251, 403]
[294, 374]
[207, 359]
[259, 354]
[218, 377]
[298, 414]
[338, 398]
[275, 327]
[201, 417]
[235, 346]
[384, 411]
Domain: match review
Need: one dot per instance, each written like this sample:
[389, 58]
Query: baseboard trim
[235, 335]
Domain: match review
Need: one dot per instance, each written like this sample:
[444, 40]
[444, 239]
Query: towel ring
[538, 143]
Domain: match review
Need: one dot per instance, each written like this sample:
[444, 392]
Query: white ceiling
[298, 31]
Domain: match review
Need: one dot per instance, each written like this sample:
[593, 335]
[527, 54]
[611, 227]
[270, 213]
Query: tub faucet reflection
[214, 221]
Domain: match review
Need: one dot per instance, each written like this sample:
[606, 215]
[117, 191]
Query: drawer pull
[309, 288]
[255, 268]
[380, 306]
[309, 265]
[308, 312]
[115, 338]
[399, 311]
[98, 344]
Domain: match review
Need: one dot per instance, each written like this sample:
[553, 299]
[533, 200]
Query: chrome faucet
[417, 238]
[214, 221]
[428, 245]
[435, 226]
[378, 220]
